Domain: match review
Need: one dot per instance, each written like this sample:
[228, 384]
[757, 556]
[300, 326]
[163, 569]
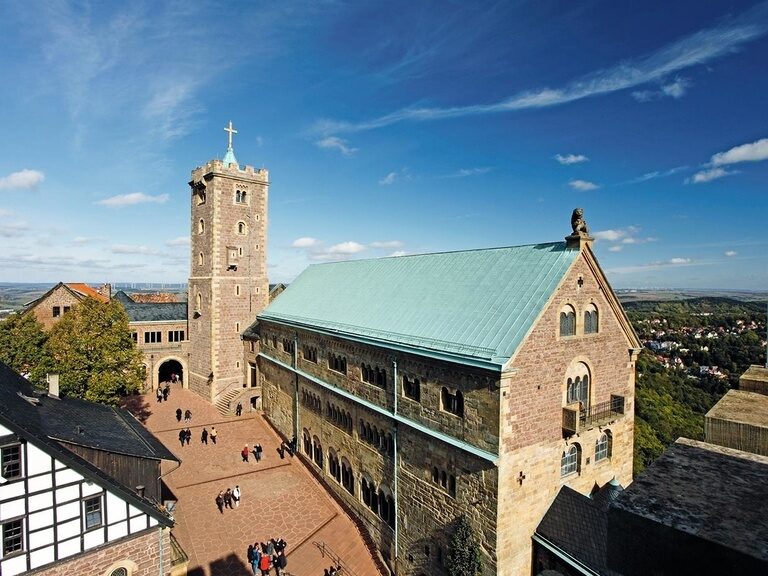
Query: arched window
[317, 452]
[412, 388]
[578, 385]
[567, 321]
[241, 229]
[453, 403]
[198, 302]
[604, 446]
[591, 324]
[570, 460]
[201, 226]
[200, 259]
[307, 443]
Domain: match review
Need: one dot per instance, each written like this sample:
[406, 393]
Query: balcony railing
[578, 419]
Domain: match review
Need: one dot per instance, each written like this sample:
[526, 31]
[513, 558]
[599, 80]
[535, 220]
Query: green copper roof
[229, 157]
[476, 304]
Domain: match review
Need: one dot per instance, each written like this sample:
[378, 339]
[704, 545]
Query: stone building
[477, 382]
[228, 270]
[57, 301]
[79, 488]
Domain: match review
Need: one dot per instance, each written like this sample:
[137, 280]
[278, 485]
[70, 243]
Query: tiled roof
[154, 297]
[476, 304]
[44, 421]
[577, 525]
[85, 291]
[714, 493]
[160, 312]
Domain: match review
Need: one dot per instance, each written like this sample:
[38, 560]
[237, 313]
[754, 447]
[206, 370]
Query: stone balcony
[577, 419]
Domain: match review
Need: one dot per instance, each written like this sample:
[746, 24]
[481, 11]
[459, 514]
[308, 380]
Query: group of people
[229, 498]
[163, 392]
[263, 557]
[257, 451]
[187, 415]
[185, 435]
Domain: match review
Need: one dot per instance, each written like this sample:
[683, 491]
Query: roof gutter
[580, 567]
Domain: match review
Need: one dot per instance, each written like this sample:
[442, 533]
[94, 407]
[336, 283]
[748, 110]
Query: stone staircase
[223, 403]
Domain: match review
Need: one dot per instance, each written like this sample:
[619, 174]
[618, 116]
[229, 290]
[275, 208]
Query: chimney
[53, 385]
[106, 291]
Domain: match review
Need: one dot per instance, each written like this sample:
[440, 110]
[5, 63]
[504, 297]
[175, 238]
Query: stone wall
[43, 310]
[231, 275]
[533, 397]
[142, 553]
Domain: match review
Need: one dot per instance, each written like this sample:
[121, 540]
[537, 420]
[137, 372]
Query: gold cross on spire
[231, 131]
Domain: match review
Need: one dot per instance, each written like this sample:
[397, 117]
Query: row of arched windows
[241, 197]
[339, 417]
[311, 401]
[379, 439]
[568, 320]
[378, 500]
[444, 480]
[337, 363]
[570, 461]
[452, 402]
[376, 376]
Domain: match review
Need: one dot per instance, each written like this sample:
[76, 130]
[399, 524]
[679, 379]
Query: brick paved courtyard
[280, 498]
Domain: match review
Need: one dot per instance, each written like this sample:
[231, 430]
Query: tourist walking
[188, 435]
[265, 564]
[213, 434]
[204, 436]
[228, 498]
[280, 563]
[220, 501]
[182, 437]
[239, 409]
[244, 453]
[257, 450]
[187, 415]
[159, 394]
[236, 495]
[166, 391]
[178, 414]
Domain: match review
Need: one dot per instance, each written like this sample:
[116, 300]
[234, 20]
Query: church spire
[229, 157]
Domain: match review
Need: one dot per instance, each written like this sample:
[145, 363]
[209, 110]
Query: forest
[694, 352]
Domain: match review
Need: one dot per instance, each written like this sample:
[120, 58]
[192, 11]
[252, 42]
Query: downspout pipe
[296, 424]
[394, 452]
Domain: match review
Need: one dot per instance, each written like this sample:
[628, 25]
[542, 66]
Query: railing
[178, 556]
[341, 567]
[577, 419]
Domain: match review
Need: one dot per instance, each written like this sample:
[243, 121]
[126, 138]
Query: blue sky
[388, 128]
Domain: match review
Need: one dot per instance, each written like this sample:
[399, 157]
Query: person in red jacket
[265, 564]
[244, 453]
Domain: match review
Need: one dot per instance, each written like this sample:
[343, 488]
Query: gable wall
[43, 310]
[532, 414]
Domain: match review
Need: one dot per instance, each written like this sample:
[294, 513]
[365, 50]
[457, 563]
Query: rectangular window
[10, 461]
[175, 335]
[92, 509]
[66, 309]
[12, 537]
[56, 311]
[135, 337]
[153, 337]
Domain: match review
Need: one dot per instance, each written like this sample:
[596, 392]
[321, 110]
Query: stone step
[222, 404]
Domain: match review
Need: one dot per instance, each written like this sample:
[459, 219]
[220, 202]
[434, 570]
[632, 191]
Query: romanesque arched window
[347, 477]
[567, 321]
[603, 446]
[578, 385]
[591, 323]
[570, 460]
[201, 226]
[241, 228]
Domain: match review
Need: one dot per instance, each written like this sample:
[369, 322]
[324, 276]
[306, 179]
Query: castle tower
[228, 282]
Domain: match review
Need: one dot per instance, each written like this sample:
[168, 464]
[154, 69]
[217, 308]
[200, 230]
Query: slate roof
[714, 493]
[44, 420]
[156, 312]
[122, 297]
[475, 304]
[577, 525]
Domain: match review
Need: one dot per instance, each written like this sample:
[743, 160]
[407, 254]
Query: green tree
[22, 345]
[92, 351]
[464, 555]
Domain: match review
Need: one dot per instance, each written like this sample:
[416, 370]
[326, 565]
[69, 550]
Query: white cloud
[388, 179]
[387, 244]
[654, 266]
[134, 198]
[4, 213]
[464, 172]
[397, 253]
[80, 240]
[131, 249]
[692, 50]
[180, 241]
[752, 152]
[304, 242]
[13, 229]
[730, 253]
[678, 261]
[571, 158]
[609, 235]
[675, 89]
[656, 174]
[583, 185]
[709, 175]
[336, 143]
[616, 248]
[346, 248]
[22, 180]
[623, 236]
